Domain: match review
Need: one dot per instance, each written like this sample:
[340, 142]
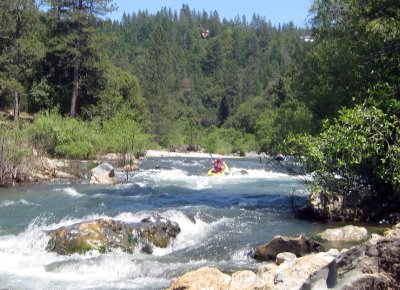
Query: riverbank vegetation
[351, 84]
[187, 79]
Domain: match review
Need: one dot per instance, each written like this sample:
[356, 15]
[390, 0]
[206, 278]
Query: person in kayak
[218, 165]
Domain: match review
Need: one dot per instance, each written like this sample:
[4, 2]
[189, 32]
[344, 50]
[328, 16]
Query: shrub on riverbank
[53, 135]
[358, 154]
[227, 141]
[56, 136]
[15, 155]
[63, 137]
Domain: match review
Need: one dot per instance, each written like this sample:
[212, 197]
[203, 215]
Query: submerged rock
[105, 235]
[299, 245]
[131, 167]
[241, 172]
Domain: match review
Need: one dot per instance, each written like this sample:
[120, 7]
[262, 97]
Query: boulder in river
[298, 245]
[98, 235]
[104, 235]
[157, 231]
[346, 234]
[103, 174]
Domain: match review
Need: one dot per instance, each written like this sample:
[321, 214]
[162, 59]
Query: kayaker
[218, 165]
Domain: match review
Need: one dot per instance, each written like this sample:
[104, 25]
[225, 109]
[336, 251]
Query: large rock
[157, 231]
[299, 245]
[370, 266]
[131, 167]
[101, 235]
[347, 234]
[103, 174]
[373, 265]
[104, 235]
[203, 278]
[352, 207]
[317, 269]
[297, 274]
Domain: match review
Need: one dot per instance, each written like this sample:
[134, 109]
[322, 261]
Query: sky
[276, 11]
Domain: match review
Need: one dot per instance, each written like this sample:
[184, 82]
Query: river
[221, 219]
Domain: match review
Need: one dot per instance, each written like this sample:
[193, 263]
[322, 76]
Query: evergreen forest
[75, 84]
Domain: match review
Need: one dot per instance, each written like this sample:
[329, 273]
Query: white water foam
[8, 203]
[193, 231]
[24, 258]
[70, 191]
[185, 163]
[181, 178]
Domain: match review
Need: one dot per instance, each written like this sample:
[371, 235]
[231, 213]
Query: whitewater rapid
[221, 220]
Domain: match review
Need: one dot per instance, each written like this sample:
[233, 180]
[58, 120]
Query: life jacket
[218, 165]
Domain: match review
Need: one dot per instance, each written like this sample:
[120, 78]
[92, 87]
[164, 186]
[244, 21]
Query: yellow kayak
[224, 172]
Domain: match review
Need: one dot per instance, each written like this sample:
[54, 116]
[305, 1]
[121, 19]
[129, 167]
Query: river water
[221, 219]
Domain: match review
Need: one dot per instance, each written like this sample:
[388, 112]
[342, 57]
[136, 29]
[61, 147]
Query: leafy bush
[122, 134]
[62, 137]
[15, 155]
[274, 126]
[228, 140]
[43, 132]
[359, 151]
[214, 141]
[246, 143]
[75, 140]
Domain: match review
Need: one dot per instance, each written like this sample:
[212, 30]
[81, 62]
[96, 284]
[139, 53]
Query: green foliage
[43, 132]
[121, 89]
[21, 49]
[178, 81]
[62, 137]
[74, 138]
[349, 80]
[357, 152]
[76, 49]
[15, 155]
[227, 141]
[211, 76]
[213, 142]
[273, 126]
[122, 134]
[246, 116]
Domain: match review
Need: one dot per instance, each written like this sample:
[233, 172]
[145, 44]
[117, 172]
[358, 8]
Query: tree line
[187, 75]
[329, 92]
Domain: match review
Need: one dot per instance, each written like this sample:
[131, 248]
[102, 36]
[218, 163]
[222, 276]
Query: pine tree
[19, 47]
[158, 82]
[74, 42]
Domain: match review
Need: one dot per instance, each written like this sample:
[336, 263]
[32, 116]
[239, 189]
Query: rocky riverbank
[374, 264]
[353, 207]
[101, 170]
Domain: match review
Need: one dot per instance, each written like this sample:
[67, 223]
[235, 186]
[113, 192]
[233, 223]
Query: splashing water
[221, 220]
